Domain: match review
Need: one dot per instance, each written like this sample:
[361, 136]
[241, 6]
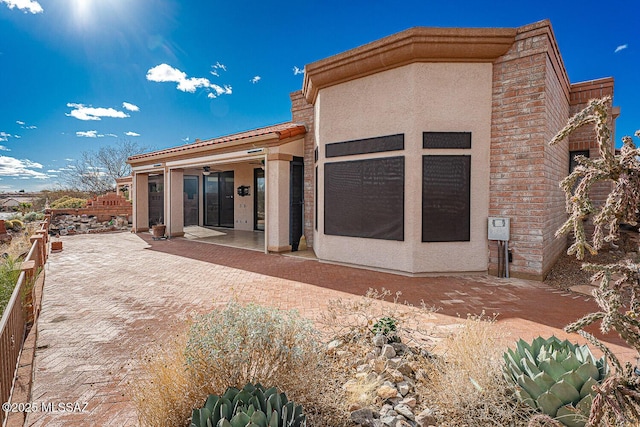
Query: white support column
[277, 181]
[176, 203]
[141, 205]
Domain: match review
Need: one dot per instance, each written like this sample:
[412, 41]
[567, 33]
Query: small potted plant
[158, 230]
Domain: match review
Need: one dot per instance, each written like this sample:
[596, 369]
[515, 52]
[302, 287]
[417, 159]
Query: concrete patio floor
[108, 298]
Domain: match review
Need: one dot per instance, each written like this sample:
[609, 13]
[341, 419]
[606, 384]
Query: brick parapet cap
[418, 44]
[583, 92]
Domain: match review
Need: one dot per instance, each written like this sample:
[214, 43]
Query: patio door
[218, 199]
[296, 202]
[156, 200]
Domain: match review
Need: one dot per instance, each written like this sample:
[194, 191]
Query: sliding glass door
[218, 199]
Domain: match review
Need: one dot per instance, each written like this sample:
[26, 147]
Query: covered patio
[248, 182]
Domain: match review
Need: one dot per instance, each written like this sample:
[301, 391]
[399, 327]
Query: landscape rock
[387, 392]
[409, 401]
[405, 411]
[395, 375]
[387, 351]
[379, 340]
[366, 417]
[403, 388]
[426, 418]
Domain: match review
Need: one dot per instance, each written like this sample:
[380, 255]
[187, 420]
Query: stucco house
[397, 154]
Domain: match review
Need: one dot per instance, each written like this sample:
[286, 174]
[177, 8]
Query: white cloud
[17, 136]
[69, 160]
[297, 70]
[256, 79]
[3, 148]
[26, 5]
[113, 135]
[23, 125]
[82, 112]
[89, 134]
[185, 140]
[217, 67]
[166, 73]
[21, 168]
[5, 136]
[131, 133]
[130, 107]
[621, 47]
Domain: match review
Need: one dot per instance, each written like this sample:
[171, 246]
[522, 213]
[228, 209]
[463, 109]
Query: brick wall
[585, 138]
[303, 112]
[530, 104]
[104, 208]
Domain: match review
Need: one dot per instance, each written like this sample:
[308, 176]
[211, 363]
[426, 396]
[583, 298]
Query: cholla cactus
[619, 290]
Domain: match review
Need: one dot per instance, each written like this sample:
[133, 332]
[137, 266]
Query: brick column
[303, 112]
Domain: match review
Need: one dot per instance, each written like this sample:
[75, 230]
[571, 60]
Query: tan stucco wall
[243, 206]
[412, 99]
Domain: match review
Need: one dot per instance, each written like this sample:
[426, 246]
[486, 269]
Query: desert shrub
[165, 392]
[465, 386]
[33, 216]
[14, 224]
[234, 346]
[68, 202]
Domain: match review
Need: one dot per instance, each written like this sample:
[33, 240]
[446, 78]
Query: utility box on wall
[498, 228]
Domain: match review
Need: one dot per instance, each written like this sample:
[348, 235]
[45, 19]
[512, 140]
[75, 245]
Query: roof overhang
[418, 44]
[239, 143]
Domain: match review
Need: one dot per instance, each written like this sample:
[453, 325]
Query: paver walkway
[109, 297]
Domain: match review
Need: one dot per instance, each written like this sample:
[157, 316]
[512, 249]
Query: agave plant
[556, 377]
[253, 406]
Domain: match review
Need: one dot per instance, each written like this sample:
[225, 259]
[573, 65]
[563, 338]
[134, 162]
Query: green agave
[556, 377]
[253, 406]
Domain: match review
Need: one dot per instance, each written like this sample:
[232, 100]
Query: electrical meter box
[498, 228]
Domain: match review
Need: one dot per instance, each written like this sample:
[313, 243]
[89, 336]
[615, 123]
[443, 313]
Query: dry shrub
[165, 392]
[20, 242]
[466, 386]
[234, 346]
[352, 319]
[361, 392]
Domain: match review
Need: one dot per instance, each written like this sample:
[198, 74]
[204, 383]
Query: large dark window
[365, 198]
[365, 146]
[446, 140]
[446, 198]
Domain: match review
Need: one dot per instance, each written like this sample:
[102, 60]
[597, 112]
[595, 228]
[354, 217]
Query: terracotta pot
[158, 230]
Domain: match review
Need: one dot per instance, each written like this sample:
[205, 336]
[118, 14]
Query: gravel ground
[567, 271]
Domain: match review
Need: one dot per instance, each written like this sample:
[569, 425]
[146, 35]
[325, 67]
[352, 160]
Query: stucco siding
[410, 100]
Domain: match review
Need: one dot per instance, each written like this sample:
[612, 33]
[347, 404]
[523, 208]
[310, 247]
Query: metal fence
[21, 311]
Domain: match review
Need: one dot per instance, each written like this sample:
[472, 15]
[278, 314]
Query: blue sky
[76, 75]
